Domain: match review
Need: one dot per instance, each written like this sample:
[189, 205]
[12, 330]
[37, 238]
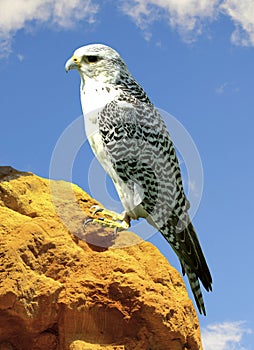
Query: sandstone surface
[63, 288]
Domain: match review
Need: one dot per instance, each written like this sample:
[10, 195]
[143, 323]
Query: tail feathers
[194, 257]
[196, 290]
[187, 247]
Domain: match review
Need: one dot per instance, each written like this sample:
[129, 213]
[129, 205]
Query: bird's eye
[92, 58]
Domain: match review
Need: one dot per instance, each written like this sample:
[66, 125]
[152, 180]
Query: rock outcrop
[63, 288]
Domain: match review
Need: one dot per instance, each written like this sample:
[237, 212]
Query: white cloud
[187, 16]
[242, 14]
[17, 14]
[224, 336]
[190, 16]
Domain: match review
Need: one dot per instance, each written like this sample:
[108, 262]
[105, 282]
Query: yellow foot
[118, 221]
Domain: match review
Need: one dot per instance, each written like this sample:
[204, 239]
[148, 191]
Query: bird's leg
[118, 221]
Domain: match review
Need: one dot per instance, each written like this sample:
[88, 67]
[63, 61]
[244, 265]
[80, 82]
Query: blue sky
[195, 60]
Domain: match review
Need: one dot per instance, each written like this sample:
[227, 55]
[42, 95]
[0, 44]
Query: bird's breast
[95, 95]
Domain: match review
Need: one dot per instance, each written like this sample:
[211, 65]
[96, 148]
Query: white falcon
[130, 140]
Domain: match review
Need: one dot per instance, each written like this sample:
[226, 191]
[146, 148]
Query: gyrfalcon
[130, 140]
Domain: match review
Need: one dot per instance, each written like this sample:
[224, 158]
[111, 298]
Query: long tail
[187, 247]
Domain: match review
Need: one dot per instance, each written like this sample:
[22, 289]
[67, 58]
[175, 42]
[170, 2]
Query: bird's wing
[141, 152]
[138, 144]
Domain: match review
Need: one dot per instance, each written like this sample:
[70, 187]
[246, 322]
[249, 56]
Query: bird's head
[98, 62]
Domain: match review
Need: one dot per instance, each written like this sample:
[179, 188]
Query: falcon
[131, 141]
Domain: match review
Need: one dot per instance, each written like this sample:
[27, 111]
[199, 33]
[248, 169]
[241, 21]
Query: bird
[130, 139]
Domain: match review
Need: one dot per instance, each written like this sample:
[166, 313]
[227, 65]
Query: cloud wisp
[18, 14]
[224, 336]
[242, 14]
[189, 17]
[186, 16]
[227, 87]
[221, 88]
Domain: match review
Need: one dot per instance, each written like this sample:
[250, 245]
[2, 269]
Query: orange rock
[63, 288]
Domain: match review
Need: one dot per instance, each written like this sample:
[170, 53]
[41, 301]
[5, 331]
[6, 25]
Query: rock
[81, 345]
[63, 288]
[6, 346]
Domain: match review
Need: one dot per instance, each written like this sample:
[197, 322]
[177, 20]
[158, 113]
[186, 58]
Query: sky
[195, 60]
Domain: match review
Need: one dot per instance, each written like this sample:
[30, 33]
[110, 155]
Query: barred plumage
[130, 139]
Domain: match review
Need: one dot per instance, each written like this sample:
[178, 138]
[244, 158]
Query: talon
[119, 222]
[87, 222]
[98, 210]
[94, 206]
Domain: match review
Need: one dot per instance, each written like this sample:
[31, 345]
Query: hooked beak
[72, 63]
